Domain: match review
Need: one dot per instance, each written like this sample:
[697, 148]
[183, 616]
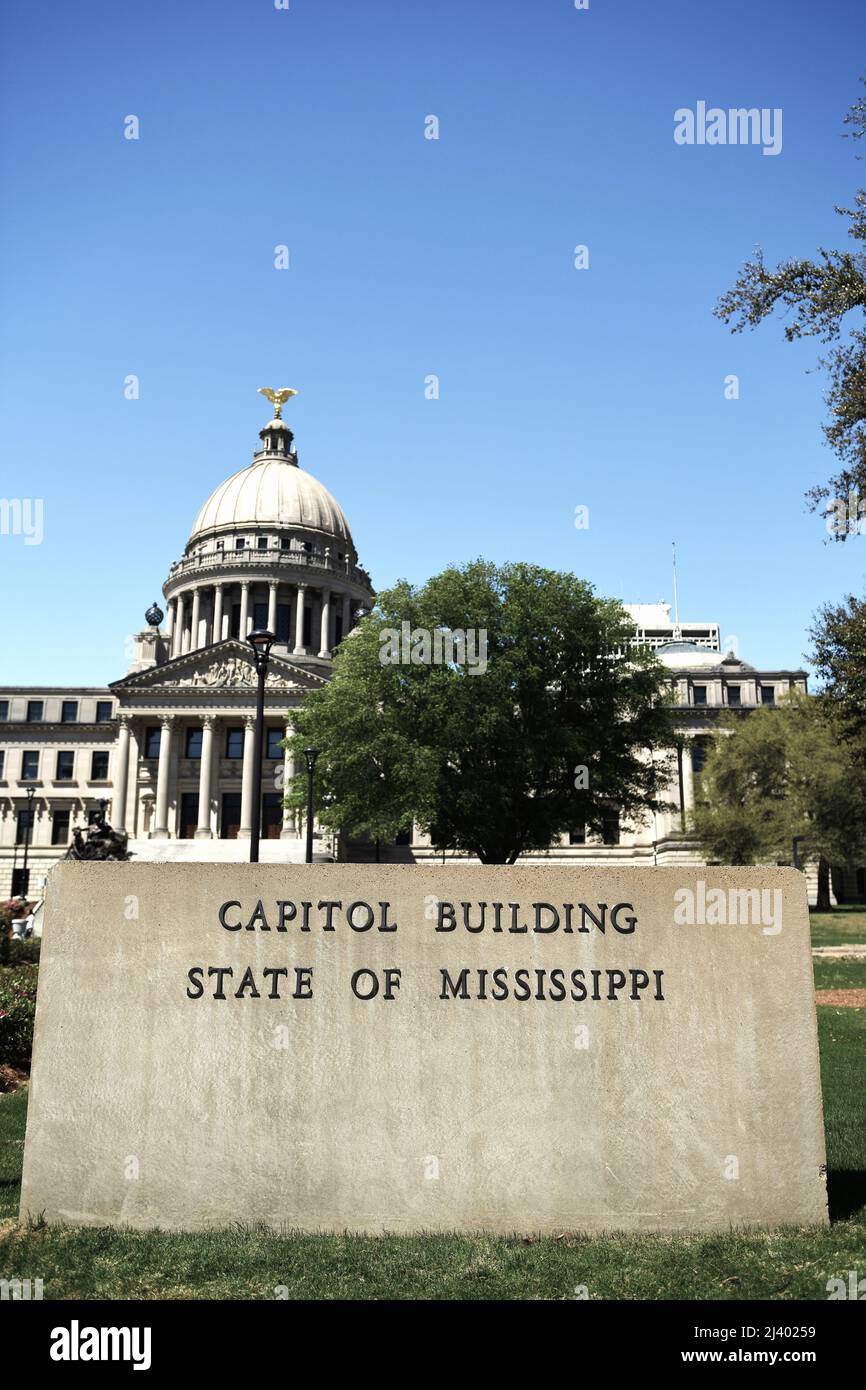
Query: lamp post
[25, 879]
[311, 754]
[261, 642]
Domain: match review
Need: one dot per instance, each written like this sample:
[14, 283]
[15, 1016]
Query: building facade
[167, 748]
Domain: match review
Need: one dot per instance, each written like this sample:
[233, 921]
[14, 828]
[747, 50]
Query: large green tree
[548, 733]
[773, 774]
[839, 637]
[818, 295]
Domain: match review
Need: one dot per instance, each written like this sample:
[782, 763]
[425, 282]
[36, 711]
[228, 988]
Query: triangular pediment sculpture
[224, 665]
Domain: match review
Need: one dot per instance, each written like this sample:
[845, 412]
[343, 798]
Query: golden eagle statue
[278, 398]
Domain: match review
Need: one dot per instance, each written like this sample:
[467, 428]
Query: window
[260, 615]
[69, 712]
[60, 828]
[699, 694]
[234, 743]
[283, 619]
[275, 737]
[610, 828]
[65, 766]
[188, 816]
[4, 710]
[699, 756]
[734, 696]
[24, 825]
[262, 543]
[99, 766]
[272, 816]
[285, 543]
[230, 820]
[34, 711]
[151, 741]
[193, 743]
[768, 694]
[29, 767]
[103, 711]
[2, 764]
[239, 543]
[577, 837]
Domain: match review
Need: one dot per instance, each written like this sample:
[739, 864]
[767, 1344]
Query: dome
[683, 655]
[271, 492]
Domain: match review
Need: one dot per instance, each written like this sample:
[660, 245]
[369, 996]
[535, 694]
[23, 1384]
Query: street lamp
[311, 754]
[261, 642]
[25, 879]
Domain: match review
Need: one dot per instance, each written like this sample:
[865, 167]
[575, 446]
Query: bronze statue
[98, 842]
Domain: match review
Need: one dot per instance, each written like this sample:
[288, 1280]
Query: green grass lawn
[254, 1264]
[842, 973]
[842, 927]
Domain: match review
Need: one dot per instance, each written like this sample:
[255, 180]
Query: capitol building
[167, 748]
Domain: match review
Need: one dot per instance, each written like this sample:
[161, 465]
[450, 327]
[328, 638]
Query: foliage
[839, 637]
[820, 294]
[17, 1013]
[776, 773]
[487, 761]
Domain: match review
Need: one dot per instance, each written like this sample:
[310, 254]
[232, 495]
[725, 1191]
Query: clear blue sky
[559, 387]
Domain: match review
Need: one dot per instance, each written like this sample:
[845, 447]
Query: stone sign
[401, 1048]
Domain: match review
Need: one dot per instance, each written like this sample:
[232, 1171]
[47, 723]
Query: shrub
[24, 952]
[17, 1012]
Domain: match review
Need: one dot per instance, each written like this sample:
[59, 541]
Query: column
[246, 825]
[217, 633]
[300, 649]
[272, 607]
[325, 635]
[245, 610]
[347, 614]
[160, 830]
[688, 785]
[121, 776]
[203, 830]
[290, 829]
[177, 635]
[169, 623]
[196, 620]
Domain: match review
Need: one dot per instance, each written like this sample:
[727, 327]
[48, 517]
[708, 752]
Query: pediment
[224, 665]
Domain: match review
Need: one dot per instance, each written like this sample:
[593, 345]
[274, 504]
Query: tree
[546, 729]
[774, 774]
[821, 293]
[839, 637]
